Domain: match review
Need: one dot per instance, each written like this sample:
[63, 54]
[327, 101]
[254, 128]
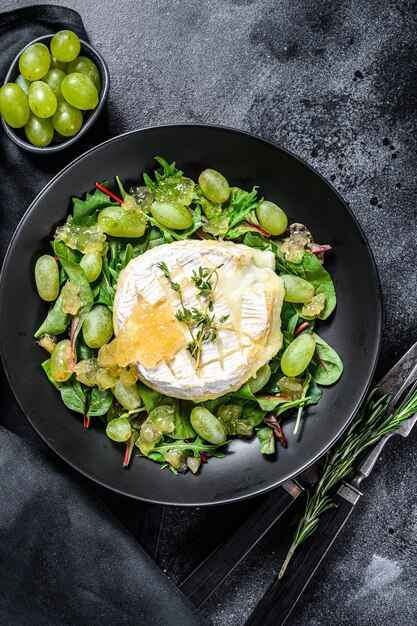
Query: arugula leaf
[84, 213]
[241, 203]
[46, 366]
[266, 439]
[166, 170]
[74, 396]
[327, 366]
[56, 322]
[196, 446]
[100, 402]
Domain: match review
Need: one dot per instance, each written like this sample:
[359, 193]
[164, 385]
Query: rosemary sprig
[206, 324]
[370, 424]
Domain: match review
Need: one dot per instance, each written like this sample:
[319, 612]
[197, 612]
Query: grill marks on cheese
[248, 291]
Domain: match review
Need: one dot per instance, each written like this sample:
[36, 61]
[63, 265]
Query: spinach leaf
[327, 366]
[266, 439]
[74, 396]
[253, 412]
[100, 401]
[56, 322]
[61, 249]
[85, 211]
[150, 398]
[183, 428]
[46, 366]
[312, 270]
[104, 291]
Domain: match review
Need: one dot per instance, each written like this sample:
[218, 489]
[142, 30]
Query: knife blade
[280, 599]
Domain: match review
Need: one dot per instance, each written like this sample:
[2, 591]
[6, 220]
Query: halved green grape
[23, 83]
[58, 65]
[297, 289]
[14, 106]
[143, 197]
[65, 45]
[35, 61]
[271, 218]
[298, 355]
[42, 99]
[127, 395]
[207, 426]
[85, 66]
[163, 418]
[98, 326]
[260, 379]
[119, 429]
[54, 79]
[193, 463]
[39, 130]
[67, 120]
[47, 277]
[61, 360]
[214, 186]
[120, 223]
[92, 263]
[149, 433]
[177, 459]
[79, 90]
[172, 215]
[176, 189]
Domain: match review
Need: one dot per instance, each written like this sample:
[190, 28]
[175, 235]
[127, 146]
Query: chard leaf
[100, 402]
[56, 322]
[46, 366]
[74, 396]
[266, 439]
[327, 366]
[84, 213]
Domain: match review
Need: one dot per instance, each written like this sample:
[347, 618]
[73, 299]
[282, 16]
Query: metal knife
[282, 596]
[207, 577]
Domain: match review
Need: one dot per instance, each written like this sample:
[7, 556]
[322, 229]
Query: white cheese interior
[248, 290]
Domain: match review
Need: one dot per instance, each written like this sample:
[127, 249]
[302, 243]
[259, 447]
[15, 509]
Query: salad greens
[91, 254]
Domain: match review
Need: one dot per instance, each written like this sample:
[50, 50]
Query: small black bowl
[18, 135]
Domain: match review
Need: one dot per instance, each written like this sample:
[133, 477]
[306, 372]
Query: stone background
[336, 83]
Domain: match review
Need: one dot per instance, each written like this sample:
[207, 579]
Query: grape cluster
[52, 91]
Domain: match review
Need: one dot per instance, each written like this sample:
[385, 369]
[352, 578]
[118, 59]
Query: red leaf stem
[203, 458]
[109, 193]
[258, 228]
[302, 327]
[269, 397]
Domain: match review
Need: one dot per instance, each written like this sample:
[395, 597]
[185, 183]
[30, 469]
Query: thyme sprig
[202, 325]
[370, 424]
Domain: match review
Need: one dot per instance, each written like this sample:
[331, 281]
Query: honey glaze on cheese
[248, 293]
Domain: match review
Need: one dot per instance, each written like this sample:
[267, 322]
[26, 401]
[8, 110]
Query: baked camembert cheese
[249, 294]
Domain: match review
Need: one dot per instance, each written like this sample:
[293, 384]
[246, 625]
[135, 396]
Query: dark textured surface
[335, 83]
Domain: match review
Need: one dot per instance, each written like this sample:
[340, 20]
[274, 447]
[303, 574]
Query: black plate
[353, 330]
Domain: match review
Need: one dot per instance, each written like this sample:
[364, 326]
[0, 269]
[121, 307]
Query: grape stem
[108, 193]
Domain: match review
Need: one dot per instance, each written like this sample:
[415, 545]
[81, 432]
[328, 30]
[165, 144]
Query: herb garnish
[205, 324]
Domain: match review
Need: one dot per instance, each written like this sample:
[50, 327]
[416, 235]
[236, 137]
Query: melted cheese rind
[248, 290]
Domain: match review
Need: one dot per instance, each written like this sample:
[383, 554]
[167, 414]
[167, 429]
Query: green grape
[207, 426]
[127, 395]
[42, 100]
[297, 289]
[298, 355]
[67, 120]
[78, 89]
[98, 326]
[35, 61]
[14, 106]
[92, 264]
[260, 379]
[61, 360]
[271, 218]
[149, 433]
[39, 131]
[65, 45]
[87, 67]
[119, 223]
[47, 277]
[58, 65]
[54, 79]
[214, 186]
[119, 429]
[23, 83]
[163, 418]
[172, 215]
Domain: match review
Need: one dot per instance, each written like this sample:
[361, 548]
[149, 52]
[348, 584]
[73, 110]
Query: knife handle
[278, 602]
[205, 579]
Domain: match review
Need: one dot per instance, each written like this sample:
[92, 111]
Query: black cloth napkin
[64, 558]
